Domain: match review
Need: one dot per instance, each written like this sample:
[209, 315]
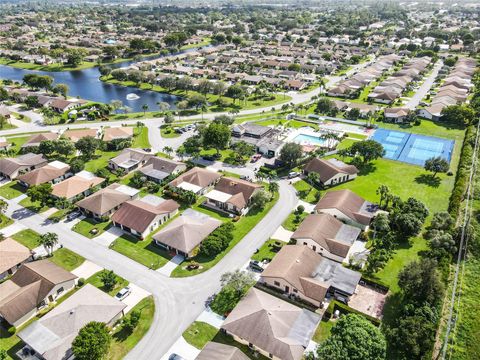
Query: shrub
[12, 330]
[81, 282]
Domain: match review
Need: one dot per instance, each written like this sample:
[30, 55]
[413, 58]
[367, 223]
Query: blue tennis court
[413, 148]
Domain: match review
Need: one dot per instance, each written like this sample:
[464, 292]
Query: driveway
[282, 234]
[136, 295]
[12, 229]
[86, 270]
[171, 265]
[109, 236]
[182, 348]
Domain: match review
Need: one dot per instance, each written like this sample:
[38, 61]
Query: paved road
[178, 301]
[425, 87]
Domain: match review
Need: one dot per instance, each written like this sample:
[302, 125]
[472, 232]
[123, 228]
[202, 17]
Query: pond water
[87, 85]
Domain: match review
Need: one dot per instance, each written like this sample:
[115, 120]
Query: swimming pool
[305, 139]
[413, 148]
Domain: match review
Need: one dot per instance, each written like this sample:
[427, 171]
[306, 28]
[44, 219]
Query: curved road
[178, 301]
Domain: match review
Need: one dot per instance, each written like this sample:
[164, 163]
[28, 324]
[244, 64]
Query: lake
[87, 85]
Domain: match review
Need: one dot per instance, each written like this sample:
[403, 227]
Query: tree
[235, 286]
[3, 208]
[224, 119]
[235, 92]
[369, 150]
[406, 224]
[420, 282]
[238, 280]
[384, 192]
[273, 187]
[76, 165]
[75, 57]
[442, 221]
[163, 106]
[436, 165]
[40, 193]
[109, 279]
[313, 178]
[458, 114]
[216, 136]
[217, 241]
[62, 89]
[145, 108]
[130, 322]
[259, 200]
[355, 338]
[64, 147]
[168, 119]
[192, 146]
[415, 207]
[353, 114]
[443, 241]
[138, 180]
[291, 153]
[181, 106]
[381, 224]
[92, 342]
[32, 102]
[48, 241]
[87, 146]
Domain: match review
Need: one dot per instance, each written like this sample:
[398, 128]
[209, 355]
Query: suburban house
[326, 235]
[348, 207]
[12, 256]
[75, 135]
[299, 271]
[82, 184]
[35, 140]
[140, 217]
[53, 173]
[218, 351]
[396, 115]
[157, 168]
[331, 171]
[271, 326]
[107, 200]
[270, 147]
[51, 336]
[32, 287]
[232, 195]
[197, 180]
[186, 232]
[11, 168]
[129, 159]
[115, 133]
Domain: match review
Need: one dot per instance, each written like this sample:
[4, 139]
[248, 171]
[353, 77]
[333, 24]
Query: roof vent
[297, 261]
[72, 312]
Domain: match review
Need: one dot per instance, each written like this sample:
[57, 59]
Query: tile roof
[12, 253]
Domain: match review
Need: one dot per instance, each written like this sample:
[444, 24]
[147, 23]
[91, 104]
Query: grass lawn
[124, 342]
[199, 334]
[140, 139]
[205, 41]
[268, 250]
[97, 282]
[60, 214]
[306, 192]
[323, 331]
[5, 221]
[33, 205]
[100, 160]
[27, 237]
[242, 228]
[167, 132]
[291, 223]
[66, 259]
[11, 190]
[85, 227]
[143, 251]
[429, 128]
[346, 143]
[10, 343]
[16, 142]
[228, 340]
[52, 67]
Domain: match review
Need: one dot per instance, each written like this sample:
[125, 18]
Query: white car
[122, 294]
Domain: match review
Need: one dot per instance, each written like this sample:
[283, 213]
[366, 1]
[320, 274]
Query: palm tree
[144, 108]
[203, 108]
[330, 138]
[48, 240]
[234, 112]
[313, 178]
[167, 150]
[383, 191]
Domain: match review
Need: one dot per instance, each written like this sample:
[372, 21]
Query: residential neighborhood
[233, 180]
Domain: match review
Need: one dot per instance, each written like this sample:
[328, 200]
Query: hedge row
[463, 172]
[345, 309]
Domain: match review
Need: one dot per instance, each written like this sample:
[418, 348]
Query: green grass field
[268, 250]
[141, 138]
[33, 205]
[11, 190]
[97, 282]
[5, 221]
[199, 334]
[323, 331]
[291, 222]
[86, 226]
[66, 259]
[123, 342]
[100, 160]
[143, 251]
[27, 237]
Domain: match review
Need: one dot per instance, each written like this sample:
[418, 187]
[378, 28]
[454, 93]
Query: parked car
[122, 294]
[293, 174]
[175, 357]
[256, 265]
[73, 215]
[255, 158]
